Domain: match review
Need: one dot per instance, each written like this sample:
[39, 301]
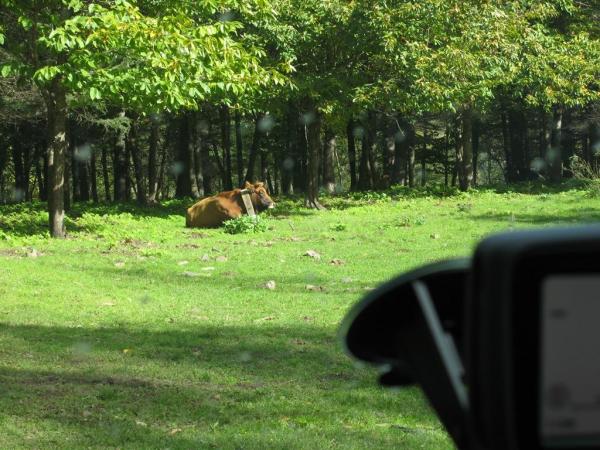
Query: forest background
[110, 101]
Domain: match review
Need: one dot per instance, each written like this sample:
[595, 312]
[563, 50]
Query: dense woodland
[111, 101]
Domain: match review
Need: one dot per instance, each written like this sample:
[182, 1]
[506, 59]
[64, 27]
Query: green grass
[138, 333]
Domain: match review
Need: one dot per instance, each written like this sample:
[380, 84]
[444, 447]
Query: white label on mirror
[570, 357]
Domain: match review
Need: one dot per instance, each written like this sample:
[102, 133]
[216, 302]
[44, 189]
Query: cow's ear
[248, 186]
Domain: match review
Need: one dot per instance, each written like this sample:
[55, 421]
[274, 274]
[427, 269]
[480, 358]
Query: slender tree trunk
[289, 159]
[408, 145]
[56, 106]
[196, 135]
[301, 167]
[105, 176]
[160, 190]
[517, 132]
[19, 158]
[569, 140]
[186, 183]
[93, 175]
[593, 143]
[366, 167]
[313, 143]
[352, 154]
[226, 144]
[83, 157]
[554, 155]
[207, 167]
[152, 160]
[138, 167]
[475, 144]
[545, 128]
[72, 164]
[41, 171]
[464, 154]
[68, 172]
[508, 172]
[446, 154]
[120, 166]
[254, 148]
[239, 148]
[424, 156]
[389, 148]
[328, 161]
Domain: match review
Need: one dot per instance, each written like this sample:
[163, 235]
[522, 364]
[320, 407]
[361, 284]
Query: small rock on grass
[337, 262]
[313, 254]
[196, 274]
[120, 264]
[271, 285]
[221, 258]
[312, 287]
[33, 253]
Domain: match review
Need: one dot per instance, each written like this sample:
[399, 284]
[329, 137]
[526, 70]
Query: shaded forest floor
[136, 332]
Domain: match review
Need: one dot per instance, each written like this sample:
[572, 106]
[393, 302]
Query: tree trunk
[22, 160]
[82, 157]
[186, 183]
[226, 144]
[506, 147]
[254, 149]
[569, 140]
[351, 154]
[424, 156]
[68, 171]
[239, 148]
[464, 154]
[328, 161]
[389, 158]
[120, 166]
[313, 143]
[72, 163]
[93, 174]
[593, 143]
[554, 155]
[138, 167]
[56, 107]
[544, 133]
[517, 129]
[366, 168]
[206, 165]
[408, 147]
[105, 177]
[289, 161]
[152, 160]
[446, 154]
[475, 144]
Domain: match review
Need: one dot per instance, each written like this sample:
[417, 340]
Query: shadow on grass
[190, 380]
[27, 219]
[566, 217]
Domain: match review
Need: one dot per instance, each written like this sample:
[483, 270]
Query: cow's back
[211, 212]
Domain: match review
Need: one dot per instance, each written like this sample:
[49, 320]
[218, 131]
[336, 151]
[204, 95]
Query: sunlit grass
[136, 332]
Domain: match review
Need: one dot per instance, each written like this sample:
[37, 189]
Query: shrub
[245, 224]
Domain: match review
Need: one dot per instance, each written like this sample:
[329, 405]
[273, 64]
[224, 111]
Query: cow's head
[260, 196]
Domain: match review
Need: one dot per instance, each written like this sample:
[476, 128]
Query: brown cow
[212, 211]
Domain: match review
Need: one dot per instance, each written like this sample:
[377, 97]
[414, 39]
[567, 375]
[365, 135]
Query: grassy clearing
[138, 333]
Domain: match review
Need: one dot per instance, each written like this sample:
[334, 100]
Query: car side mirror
[505, 346]
[413, 327]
